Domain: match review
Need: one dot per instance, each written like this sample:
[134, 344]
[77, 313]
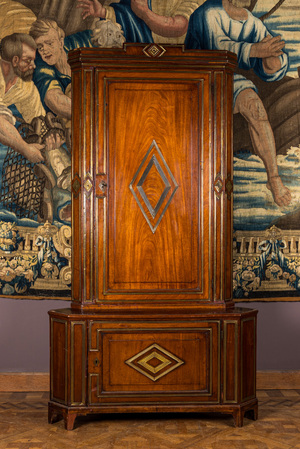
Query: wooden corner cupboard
[152, 325]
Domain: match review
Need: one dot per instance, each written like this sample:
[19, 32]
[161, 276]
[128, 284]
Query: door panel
[156, 221]
[175, 362]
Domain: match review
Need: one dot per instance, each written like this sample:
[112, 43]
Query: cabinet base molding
[57, 412]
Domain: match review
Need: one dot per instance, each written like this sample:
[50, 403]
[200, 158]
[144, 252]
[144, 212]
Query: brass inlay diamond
[218, 186]
[154, 50]
[153, 162]
[153, 186]
[76, 185]
[163, 362]
[154, 355]
[88, 185]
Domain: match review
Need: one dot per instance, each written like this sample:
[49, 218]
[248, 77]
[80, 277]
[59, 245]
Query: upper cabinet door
[152, 212]
[157, 217]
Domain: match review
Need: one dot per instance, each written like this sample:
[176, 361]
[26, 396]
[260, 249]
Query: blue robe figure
[45, 74]
[135, 30]
[211, 28]
[48, 76]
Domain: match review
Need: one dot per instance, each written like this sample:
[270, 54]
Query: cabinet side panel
[76, 184]
[100, 145]
[222, 186]
[88, 175]
[230, 347]
[83, 172]
[78, 362]
[59, 360]
[248, 358]
[228, 286]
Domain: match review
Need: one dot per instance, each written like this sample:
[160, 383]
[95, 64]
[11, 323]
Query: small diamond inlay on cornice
[154, 51]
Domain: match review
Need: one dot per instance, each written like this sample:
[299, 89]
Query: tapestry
[35, 130]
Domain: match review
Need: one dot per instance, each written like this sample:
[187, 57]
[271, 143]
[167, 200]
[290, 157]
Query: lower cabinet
[203, 364]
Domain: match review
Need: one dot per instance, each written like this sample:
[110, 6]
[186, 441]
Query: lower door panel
[150, 364]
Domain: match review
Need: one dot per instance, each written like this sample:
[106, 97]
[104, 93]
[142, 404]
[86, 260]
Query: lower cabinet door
[147, 364]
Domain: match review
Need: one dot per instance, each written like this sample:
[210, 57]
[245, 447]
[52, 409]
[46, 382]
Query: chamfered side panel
[230, 361]
[156, 221]
[78, 362]
[248, 358]
[59, 361]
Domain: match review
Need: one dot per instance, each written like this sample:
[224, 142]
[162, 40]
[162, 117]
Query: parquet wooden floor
[24, 425]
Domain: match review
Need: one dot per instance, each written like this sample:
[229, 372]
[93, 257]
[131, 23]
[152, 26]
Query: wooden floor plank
[24, 425]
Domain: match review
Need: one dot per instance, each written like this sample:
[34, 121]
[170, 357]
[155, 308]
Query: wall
[278, 335]
[24, 335]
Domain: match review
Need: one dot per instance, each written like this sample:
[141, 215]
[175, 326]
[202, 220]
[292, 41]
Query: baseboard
[278, 380]
[266, 380]
[24, 382]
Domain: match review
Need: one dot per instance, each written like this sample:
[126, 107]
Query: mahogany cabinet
[152, 325]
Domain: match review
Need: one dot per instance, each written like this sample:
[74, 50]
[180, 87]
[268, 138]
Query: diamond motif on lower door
[154, 362]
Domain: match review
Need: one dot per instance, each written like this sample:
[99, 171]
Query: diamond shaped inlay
[218, 185]
[154, 362]
[153, 186]
[88, 185]
[153, 162]
[154, 50]
[163, 362]
[76, 184]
